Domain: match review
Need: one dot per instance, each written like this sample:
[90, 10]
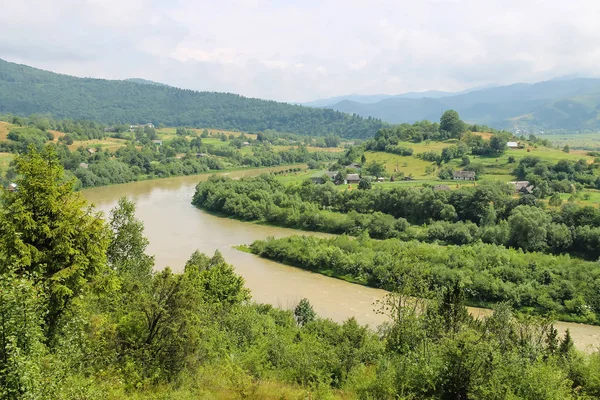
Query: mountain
[25, 90]
[374, 98]
[144, 82]
[559, 104]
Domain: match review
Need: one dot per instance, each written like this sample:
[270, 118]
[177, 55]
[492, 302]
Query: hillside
[25, 90]
[569, 105]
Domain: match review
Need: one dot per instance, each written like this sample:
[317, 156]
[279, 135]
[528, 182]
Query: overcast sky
[300, 50]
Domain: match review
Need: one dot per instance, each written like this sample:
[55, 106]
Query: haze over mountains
[567, 104]
[570, 104]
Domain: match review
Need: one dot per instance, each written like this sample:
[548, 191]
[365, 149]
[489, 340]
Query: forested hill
[25, 90]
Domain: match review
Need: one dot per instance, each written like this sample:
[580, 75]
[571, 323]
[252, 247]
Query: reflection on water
[175, 229]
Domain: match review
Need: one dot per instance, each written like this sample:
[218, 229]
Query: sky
[302, 50]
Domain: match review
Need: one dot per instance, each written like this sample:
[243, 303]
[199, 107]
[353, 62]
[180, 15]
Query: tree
[363, 159]
[49, 234]
[566, 149]
[450, 122]
[304, 312]
[566, 346]
[498, 144]
[374, 168]
[365, 184]
[126, 252]
[528, 228]
[555, 200]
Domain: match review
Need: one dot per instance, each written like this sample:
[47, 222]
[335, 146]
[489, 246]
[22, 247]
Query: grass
[5, 159]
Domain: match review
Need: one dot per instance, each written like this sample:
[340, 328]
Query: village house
[201, 155]
[352, 178]
[354, 166]
[83, 165]
[381, 179]
[91, 151]
[463, 175]
[439, 188]
[523, 187]
[512, 145]
[157, 142]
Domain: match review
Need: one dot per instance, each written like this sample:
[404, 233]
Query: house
[354, 166]
[463, 175]
[91, 151]
[83, 165]
[439, 188]
[12, 187]
[246, 143]
[201, 155]
[157, 142]
[352, 178]
[512, 145]
[331, 174]
[523, 187]
[381, 179]
[110, 129]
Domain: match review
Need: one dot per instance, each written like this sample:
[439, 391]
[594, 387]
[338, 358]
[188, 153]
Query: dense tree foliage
[491, 274]
[25, 90]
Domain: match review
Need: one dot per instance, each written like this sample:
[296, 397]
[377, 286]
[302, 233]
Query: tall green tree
[49, 234]
[450, 122]
[127, 250]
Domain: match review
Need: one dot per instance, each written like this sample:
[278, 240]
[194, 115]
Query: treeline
[490, 274]
[25, 90]
[83, 315]
[450, 127]
[486, 213]
[144, 158]
[75, 129]
[564, 176]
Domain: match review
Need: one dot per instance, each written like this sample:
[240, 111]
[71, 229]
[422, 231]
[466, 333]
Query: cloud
[297, 50]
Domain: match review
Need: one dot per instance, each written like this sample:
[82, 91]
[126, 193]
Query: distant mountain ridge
[26, 90]
[145, 82]
[559, 104]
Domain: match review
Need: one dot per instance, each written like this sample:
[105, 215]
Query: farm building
[512, 145]
[352, 178]
[463, 175]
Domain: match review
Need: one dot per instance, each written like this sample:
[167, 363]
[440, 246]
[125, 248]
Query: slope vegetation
[25, 90]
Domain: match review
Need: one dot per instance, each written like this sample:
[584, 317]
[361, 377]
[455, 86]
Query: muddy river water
[176, 228]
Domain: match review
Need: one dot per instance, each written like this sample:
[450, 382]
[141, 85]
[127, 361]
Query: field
[5, 127]
[107, 143]
[168, 133]
[586, 141]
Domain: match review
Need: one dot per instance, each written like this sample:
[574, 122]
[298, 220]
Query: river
[176, 229]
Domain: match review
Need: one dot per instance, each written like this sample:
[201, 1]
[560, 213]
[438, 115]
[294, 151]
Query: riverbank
[251, 171]
[175, 229]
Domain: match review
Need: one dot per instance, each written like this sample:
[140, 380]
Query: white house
[512, 145]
